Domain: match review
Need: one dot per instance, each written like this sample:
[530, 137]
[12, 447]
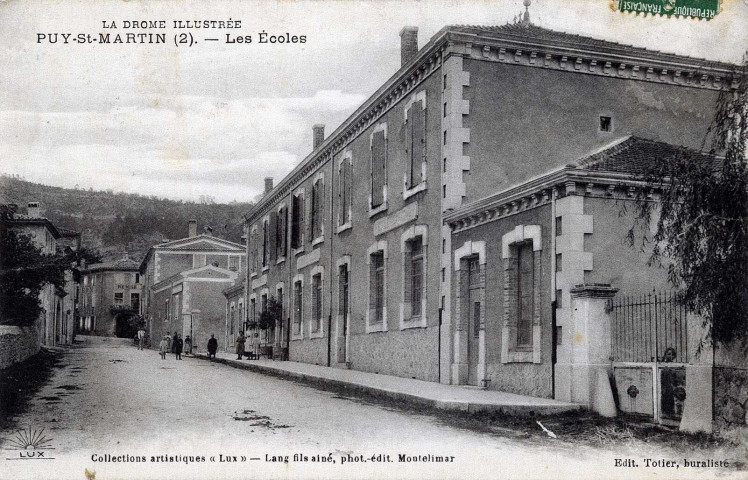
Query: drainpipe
[439, 349]
[554, 300]
[331, 262]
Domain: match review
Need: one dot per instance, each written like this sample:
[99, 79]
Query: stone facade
[167, 262]
[17, 344]
[500, 105]
[110, 293]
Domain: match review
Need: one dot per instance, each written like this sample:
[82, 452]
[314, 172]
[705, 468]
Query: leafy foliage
[701, 219]
[273, 314]
[24, 271]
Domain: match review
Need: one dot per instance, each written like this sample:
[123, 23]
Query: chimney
[318, 135]
[125, 256]
[268, 184]
[408, 44]
[192, 230]
[34, 210]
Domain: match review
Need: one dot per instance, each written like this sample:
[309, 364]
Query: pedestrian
[179, 344]
[168, 342]
[187, 345]
[141, 338]
[212, 347]
[163, 347]
[256, 345]
[240, 346]
[174, 343]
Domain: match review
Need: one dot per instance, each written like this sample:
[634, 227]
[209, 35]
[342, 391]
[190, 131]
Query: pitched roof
[23, 219]
[123, 264]
[633, 155]
[201, 242]
[532, 33]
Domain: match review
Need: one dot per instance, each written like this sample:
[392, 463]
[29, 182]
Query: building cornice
[541, 191]
[620, 62]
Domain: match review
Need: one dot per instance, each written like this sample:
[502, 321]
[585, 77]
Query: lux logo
[31, 445]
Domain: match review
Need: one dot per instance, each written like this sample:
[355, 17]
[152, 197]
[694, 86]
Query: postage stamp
[700, 9]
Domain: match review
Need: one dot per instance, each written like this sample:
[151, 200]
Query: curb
[447, 405]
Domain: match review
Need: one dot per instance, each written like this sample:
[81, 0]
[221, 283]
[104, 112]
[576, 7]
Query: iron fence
[648, 328]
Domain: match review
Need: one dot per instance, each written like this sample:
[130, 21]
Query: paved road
[115, 400]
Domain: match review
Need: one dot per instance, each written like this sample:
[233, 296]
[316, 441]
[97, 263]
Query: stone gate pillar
[590, 348]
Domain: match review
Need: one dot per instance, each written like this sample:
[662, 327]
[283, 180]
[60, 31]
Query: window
[233, 263]
[281, 229]
[253, 251]
[343, 290]
[265, 242]
[135, 301]
[378, 168]
[521, 250]
[252, 310]
[232, 319]
[317, 204]
[166, 310]
[559, 227]
[198, 260]
[119, 298]
[558, 298]
[297, 221]
[137, 278]
[525, 294]
[558, 262]
[414, 275]
[476, 319]
[606, 124]
[415, 143]
[316, 302]
[345, 176]
[376, 293]
[298, 307]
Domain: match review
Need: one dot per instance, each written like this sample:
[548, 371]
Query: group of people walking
[175, 345]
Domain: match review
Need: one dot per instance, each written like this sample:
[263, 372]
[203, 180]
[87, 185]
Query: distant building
[183, 280]
[235, 311]
[58, 310]
[111, 294]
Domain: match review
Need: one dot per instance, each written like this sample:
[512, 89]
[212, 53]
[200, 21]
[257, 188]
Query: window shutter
[372, 285]
[341, 193]
[408, 274]
[342, 279]
[378, 165]
[348, 189]
[409, 159]
[418, 142]
[295, 219]
[273, 236]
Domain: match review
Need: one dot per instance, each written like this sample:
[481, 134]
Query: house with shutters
[110, 295]
[183, 281]
[438, 233]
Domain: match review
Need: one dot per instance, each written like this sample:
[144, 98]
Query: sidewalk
[444, 397]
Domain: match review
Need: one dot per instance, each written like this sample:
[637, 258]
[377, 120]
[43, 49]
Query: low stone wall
[730, 397]
[17, 344]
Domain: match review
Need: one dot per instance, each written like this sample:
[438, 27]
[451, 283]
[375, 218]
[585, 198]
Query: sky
[214, 119]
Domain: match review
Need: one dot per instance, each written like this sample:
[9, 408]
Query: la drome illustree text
[185, 32]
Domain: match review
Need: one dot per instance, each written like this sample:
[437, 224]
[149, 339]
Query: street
[121, 413]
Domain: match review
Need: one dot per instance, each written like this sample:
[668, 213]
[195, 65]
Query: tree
[24, 271]
[702, 218]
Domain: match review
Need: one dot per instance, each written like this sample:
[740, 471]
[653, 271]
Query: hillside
[117, 222]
